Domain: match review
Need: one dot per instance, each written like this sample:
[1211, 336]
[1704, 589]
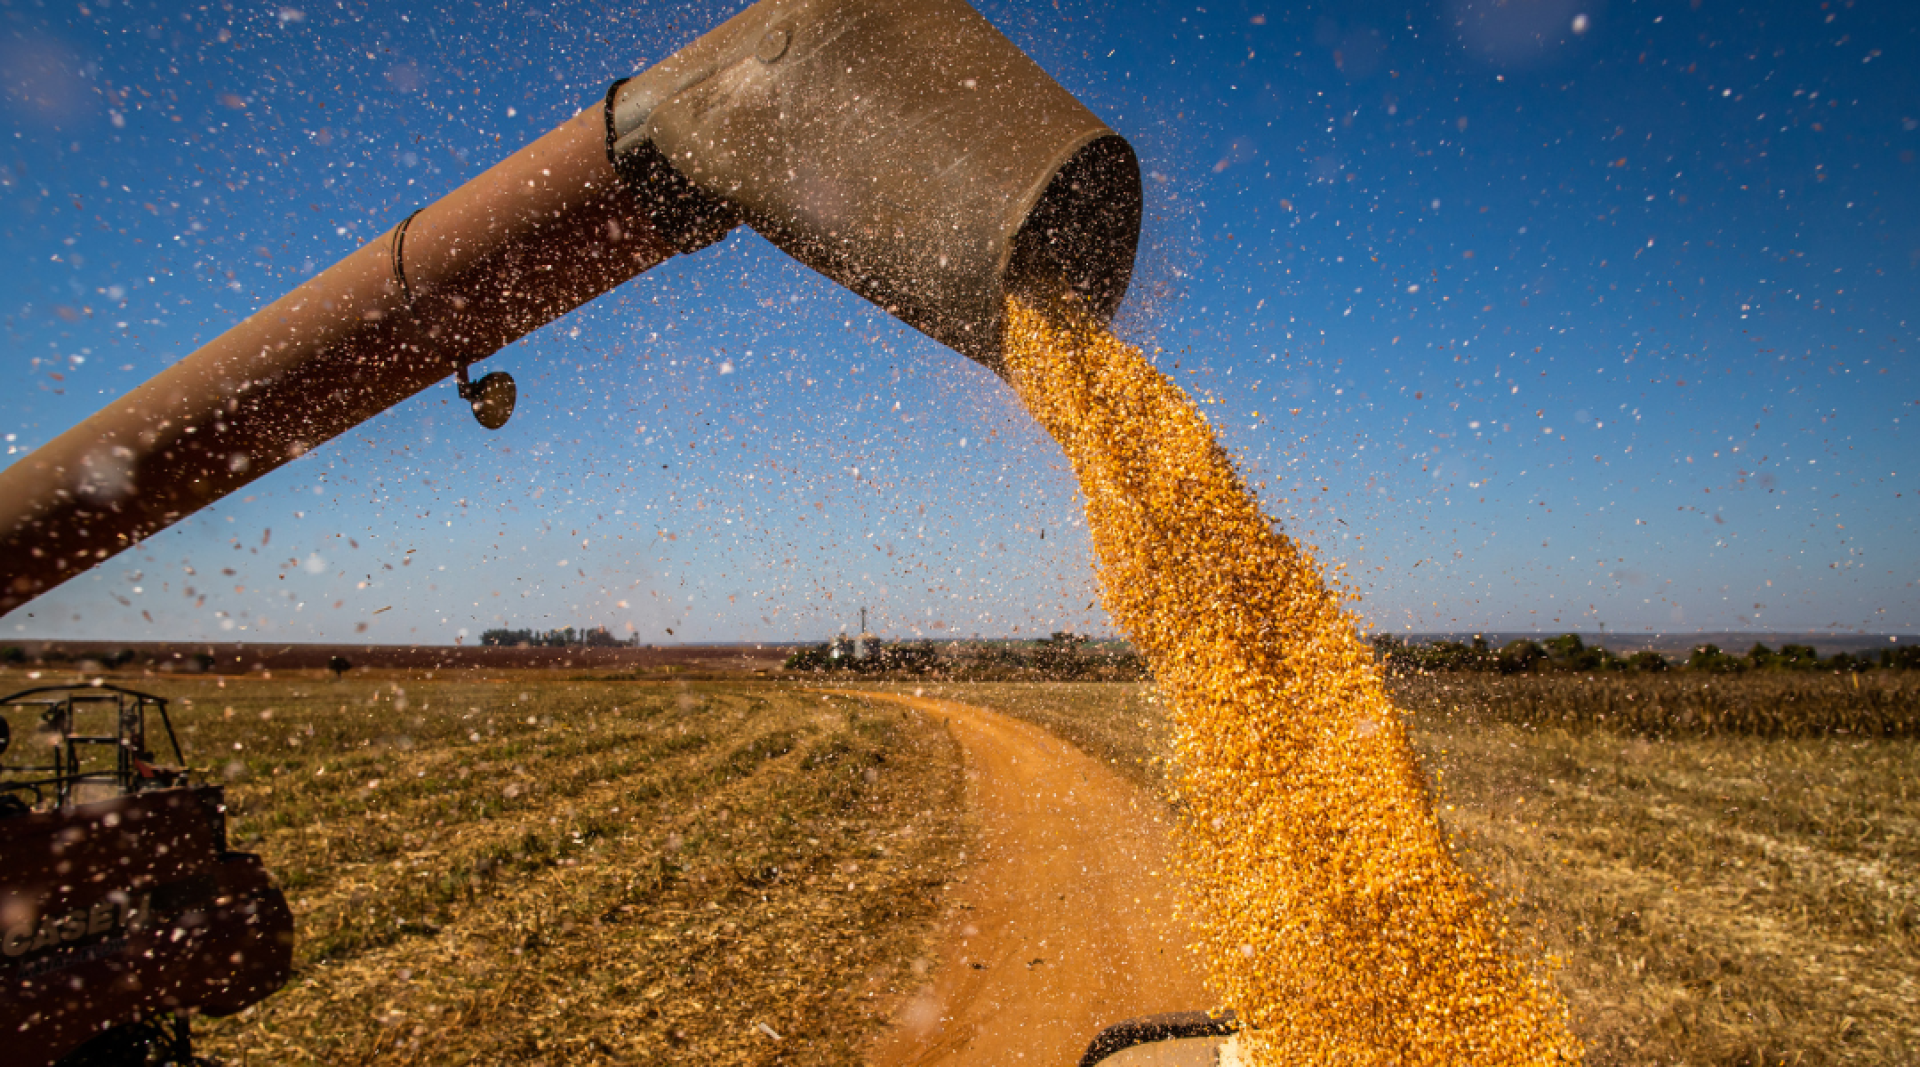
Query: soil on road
[1063, 923]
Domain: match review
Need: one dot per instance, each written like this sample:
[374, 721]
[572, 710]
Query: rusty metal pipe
[903, 148]
[535, 236]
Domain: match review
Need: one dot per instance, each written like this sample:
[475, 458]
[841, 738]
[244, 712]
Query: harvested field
[1715, 900]
[579, 873]
[235, 658]
[1722, 900]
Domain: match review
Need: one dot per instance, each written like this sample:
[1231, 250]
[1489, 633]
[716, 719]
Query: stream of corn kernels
[1331, 916]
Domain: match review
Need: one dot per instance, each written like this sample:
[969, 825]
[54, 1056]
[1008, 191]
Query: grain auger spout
[904, 148]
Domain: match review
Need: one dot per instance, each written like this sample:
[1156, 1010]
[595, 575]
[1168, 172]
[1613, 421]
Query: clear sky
[1533, 315]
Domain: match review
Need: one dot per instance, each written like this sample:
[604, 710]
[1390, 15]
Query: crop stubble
[579, 873]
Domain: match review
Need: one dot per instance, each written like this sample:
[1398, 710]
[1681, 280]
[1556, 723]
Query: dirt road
[1062, 925]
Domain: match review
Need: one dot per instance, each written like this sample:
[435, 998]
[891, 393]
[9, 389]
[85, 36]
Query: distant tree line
[1062, 656]
[190, 662]
[568, 637]
[1569, 652]
[14, 657]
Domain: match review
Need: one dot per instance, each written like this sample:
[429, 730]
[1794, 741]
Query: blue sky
[1536, 315]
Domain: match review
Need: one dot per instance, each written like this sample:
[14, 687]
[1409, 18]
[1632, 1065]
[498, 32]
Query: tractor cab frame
[94, 739]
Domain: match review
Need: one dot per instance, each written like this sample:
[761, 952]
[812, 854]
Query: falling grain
[1332, 917]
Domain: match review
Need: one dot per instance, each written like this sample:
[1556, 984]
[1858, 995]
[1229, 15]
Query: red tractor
[122, 910]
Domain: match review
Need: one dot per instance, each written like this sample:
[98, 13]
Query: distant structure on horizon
[597, 637]
[861, 647]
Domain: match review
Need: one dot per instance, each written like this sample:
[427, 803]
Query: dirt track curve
[1061, 925]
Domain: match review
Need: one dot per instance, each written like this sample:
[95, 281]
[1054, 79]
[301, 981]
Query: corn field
[1881, 704]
